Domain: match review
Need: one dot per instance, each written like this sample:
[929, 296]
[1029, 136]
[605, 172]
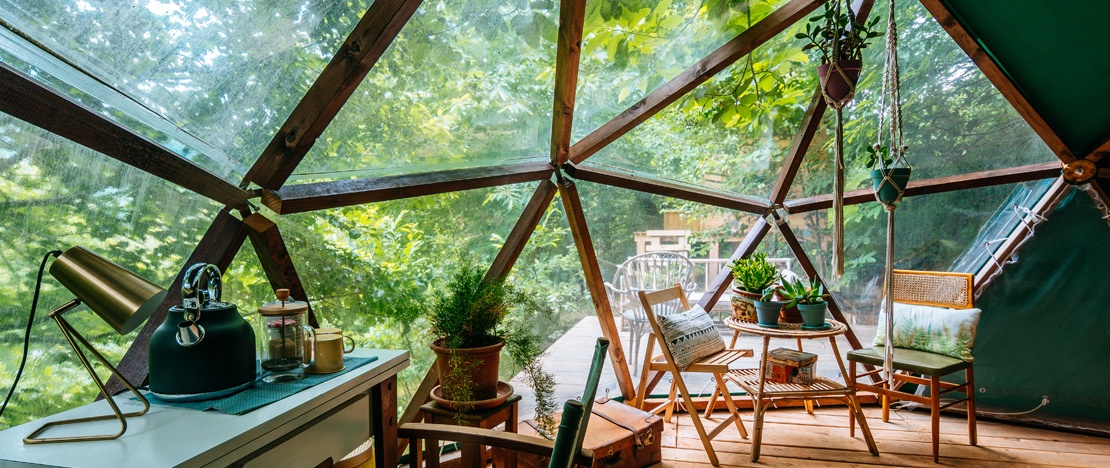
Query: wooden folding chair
[930, 288]
[716, 364]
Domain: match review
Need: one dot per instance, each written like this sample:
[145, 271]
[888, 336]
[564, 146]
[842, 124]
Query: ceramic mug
[330, 350]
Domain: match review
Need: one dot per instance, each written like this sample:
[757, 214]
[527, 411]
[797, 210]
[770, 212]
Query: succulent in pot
[810, 300]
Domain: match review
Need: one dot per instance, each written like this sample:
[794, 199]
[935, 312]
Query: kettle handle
[200, 285]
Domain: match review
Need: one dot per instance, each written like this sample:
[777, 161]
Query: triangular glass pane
[630, 48]
[465, 84]
[931, 233]
[375, 270]
[955, 121]
[55, 194]
[227, 75]
[733, 132]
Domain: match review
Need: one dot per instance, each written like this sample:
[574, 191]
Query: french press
[287, 342]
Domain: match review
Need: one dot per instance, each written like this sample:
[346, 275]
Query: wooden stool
[473, 454]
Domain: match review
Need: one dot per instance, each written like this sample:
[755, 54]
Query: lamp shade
[121, 298]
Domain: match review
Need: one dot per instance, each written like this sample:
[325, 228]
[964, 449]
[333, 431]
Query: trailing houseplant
[469, 327]
[751, 275]
[840, 39]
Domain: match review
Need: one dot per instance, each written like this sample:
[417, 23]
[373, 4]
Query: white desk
[327, 421]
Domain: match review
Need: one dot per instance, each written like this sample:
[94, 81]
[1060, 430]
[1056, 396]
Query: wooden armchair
[934, 331]
[565, 451]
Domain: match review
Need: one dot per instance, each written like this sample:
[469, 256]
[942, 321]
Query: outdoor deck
[794, 438]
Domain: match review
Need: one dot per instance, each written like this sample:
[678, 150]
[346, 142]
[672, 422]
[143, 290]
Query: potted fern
[469, 327]
[750, 275]
[840, 39]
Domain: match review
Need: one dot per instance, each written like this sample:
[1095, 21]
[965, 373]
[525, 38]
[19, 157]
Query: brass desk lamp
[119, 297]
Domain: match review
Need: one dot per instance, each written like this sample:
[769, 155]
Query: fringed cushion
[950, 332]
[690, 335]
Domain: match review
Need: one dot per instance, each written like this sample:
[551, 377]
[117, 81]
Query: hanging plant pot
[885, 191]
[839, 82]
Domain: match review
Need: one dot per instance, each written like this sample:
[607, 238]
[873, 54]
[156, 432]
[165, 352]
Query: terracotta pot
[788, 314]
[484, 376]
[838, 86]
[743, 307]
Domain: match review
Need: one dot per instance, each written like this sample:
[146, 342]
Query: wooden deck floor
[794, 438]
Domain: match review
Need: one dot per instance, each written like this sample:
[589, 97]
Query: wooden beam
[572, 205]
[669, 189]
[275, 259]
[699, 73]
[936, 185]
[27, 100]
[354, 59]
[218, 246]
[811, 271]
[522, 231]
[998, 77]
[324, 195]
[571, 15]
[720, 284]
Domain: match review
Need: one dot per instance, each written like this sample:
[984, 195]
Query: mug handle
[311, 334]
[349, 340]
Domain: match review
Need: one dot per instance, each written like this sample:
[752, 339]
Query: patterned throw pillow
[690, 335]
[950, 332]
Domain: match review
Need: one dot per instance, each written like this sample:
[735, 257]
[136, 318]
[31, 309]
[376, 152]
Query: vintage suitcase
[620, 436]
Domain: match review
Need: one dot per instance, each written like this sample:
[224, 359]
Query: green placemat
[261, 394]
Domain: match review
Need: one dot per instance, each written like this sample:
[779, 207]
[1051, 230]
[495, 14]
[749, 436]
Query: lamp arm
[64, 308]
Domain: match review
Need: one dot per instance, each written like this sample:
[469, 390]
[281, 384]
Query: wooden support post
[218, 246]
[275, 259]
[28, 100]
[572, 13]
[572, 205]
[350, 64]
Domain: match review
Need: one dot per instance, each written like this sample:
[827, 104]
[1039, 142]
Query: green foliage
[836, 33]
[878, 157]
[795, 291]
[754, 273]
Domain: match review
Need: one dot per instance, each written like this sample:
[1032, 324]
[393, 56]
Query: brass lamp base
[70, 333]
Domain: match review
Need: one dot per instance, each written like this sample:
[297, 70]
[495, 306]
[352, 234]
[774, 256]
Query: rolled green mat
[563, 453]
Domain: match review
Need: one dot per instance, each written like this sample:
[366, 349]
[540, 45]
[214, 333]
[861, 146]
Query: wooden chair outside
[565, 451]
[716, 364]
[931, 288]
[646, 272]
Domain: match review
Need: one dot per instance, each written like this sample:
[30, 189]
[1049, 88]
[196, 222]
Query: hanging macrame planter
[890, 175]
[838, 81]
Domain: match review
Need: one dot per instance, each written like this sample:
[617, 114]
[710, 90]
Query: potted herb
[767, 309]
[810, 300]
[751, 275]
[469, 327]
[889, 175]
[840, 39]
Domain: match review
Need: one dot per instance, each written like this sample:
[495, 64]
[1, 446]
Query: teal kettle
[204, 349]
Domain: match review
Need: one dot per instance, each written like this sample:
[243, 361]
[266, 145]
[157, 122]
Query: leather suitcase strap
[639, 440]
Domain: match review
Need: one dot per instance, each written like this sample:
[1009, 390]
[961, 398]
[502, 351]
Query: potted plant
[469, 327]
[840, 39]
[889, 175]
[810, 300]
[751, 275]
[767, 309]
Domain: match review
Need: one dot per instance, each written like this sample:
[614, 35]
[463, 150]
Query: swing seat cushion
[911, 360]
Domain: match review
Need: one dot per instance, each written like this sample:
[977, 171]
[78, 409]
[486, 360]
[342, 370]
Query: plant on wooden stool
[470, 326]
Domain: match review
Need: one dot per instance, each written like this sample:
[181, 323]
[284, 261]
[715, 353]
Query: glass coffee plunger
[286, 339]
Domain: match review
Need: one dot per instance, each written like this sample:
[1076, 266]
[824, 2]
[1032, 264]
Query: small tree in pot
[469, 329]
[751, 275]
